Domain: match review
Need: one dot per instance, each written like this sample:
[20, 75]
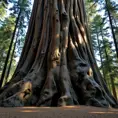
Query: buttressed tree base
[57, 66]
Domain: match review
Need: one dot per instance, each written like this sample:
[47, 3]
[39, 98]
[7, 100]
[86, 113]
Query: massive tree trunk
[57, 66]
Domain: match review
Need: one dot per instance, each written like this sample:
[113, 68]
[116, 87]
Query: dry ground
[60, 112]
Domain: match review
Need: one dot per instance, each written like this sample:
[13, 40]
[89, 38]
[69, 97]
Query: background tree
[100, 24]
[5, 34]
[21, 11]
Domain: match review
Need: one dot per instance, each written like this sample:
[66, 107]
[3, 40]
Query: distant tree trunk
[109, 69]
[111, 78]
[12, 55]
[8, 54]
[111, 24]
[100, 53]
[55, 68]
[104, 46]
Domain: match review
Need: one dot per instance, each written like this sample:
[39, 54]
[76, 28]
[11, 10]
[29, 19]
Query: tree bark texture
[57, 66]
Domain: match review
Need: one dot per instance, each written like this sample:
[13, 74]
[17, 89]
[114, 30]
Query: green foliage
[24, 7]
[17, 8]
[101, 36]
[6, 31]
[3, 10]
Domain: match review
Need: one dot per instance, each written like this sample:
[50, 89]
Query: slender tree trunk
[105, 54]
[111, 24]
[8, 54]
[57, 66]
[100, 53]
[11, 60]
[109, 69]
[111, 78]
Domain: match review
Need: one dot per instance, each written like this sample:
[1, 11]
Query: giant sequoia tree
[57, 66]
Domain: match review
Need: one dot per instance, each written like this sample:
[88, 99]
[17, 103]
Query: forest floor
[58, 112]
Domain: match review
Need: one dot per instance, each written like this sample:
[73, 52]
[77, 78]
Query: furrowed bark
[57, 67]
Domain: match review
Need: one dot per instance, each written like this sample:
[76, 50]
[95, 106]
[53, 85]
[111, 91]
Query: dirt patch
[58, 112]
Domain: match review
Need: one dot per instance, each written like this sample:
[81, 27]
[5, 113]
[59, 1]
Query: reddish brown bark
[57, 59]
